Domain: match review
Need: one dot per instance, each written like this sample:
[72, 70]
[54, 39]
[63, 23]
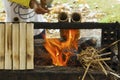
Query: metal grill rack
[110, 31]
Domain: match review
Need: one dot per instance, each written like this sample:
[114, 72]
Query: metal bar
[67, 25]
[72, 25]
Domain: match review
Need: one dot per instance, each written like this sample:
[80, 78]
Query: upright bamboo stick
[23, 48]
[15, 46]
[30, 47]
[8, 45]
[2, 45]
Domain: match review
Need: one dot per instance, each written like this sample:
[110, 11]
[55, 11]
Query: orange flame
[61, 51]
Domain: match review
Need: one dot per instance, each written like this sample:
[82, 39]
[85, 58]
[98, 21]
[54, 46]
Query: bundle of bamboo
[91, 58]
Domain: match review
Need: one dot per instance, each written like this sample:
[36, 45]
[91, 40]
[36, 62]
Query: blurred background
[91, 10]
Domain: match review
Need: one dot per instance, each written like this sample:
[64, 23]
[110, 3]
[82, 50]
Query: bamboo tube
[63, 17]
[75, 17]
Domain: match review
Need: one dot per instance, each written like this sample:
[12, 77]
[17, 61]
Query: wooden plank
[15, 46]
[2, 46]
[30, 46]
[8, 45]
[23, 46]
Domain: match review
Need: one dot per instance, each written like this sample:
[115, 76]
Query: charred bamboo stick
[109, 46]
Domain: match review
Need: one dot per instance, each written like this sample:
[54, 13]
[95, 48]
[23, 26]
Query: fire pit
[47, 71]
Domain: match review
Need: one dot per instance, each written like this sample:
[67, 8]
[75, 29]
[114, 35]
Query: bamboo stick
[101, 59]
[86, 71]
[15, 46]
[8, 45]
[103, 54]
[103, 68]
[23, 46]
[30, 47]
[2, 45]
[112, 44]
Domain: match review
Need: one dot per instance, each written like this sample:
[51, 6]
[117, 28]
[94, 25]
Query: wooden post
[8, 46]
[15, 46]
[2, 45]
[30, 47]
[23, 46]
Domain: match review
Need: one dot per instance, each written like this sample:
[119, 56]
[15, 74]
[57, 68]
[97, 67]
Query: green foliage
[110, 7]
[1, 6]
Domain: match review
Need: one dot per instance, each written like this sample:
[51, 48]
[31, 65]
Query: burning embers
[61, 49]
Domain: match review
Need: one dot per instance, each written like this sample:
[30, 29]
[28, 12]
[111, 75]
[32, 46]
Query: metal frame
[112, 29]
[41, 74]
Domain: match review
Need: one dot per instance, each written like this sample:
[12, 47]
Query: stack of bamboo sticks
[16, 46]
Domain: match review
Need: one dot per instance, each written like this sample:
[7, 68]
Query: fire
[61, 51]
